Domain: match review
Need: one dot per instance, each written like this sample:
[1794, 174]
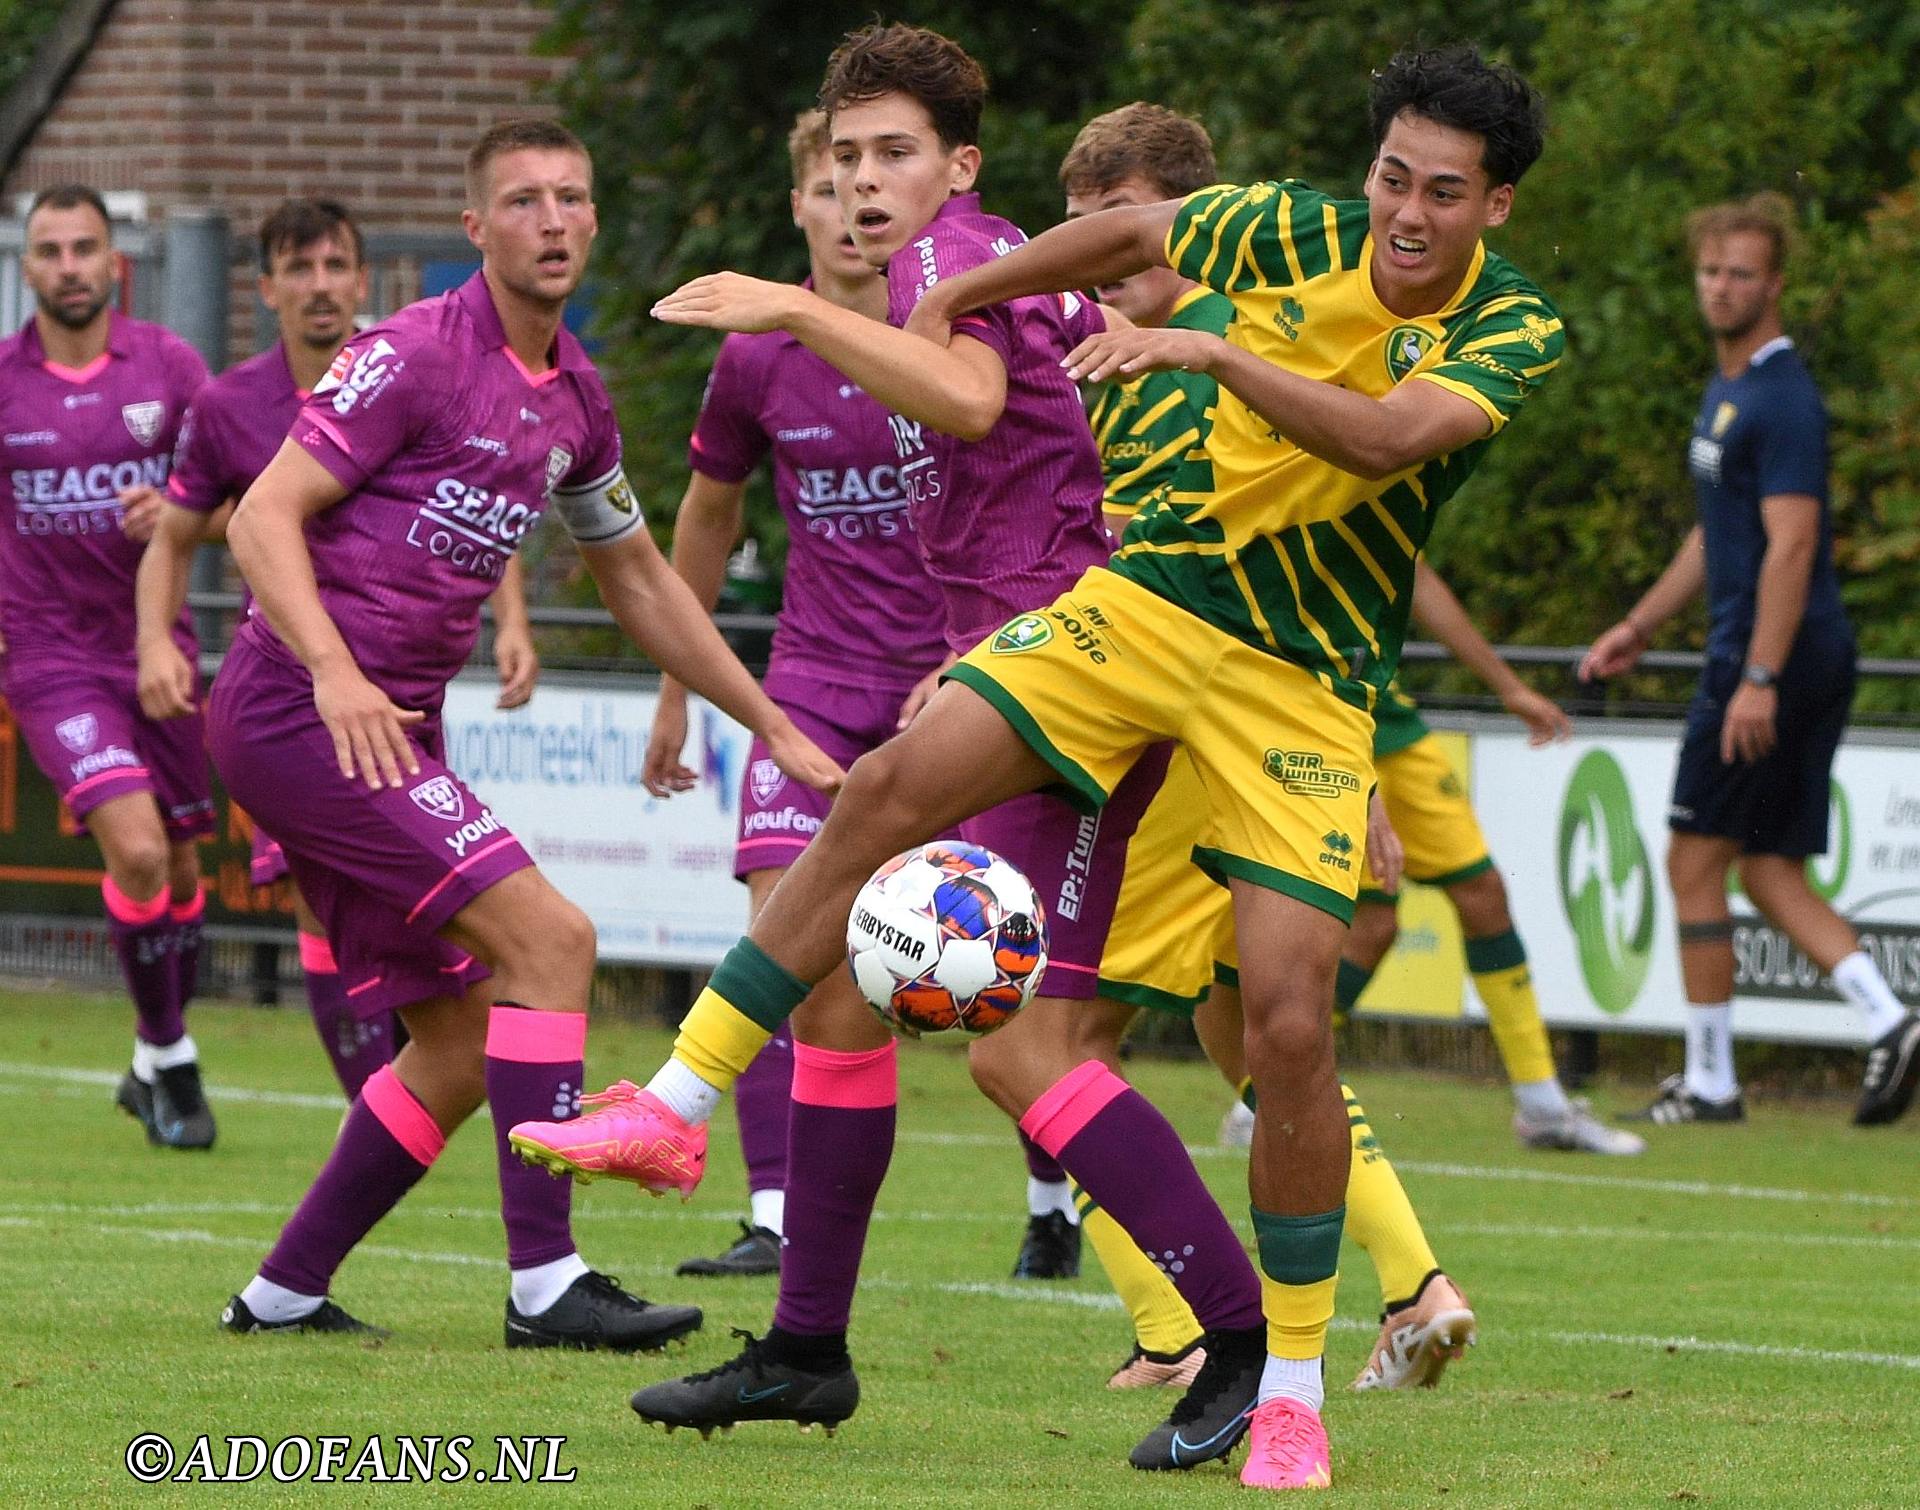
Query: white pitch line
[1668, 1235]
[1082, 1299]
[1526, 1175]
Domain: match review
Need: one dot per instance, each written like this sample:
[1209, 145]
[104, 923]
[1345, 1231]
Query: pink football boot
[1288, 1448]
[629, 1135]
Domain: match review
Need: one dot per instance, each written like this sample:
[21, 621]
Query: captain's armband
[601, 511]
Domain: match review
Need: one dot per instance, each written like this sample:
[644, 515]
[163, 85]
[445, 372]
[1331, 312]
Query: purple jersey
[858, 604]
[234, 428]
[450, 450]
[74, 440]
[1008, 522]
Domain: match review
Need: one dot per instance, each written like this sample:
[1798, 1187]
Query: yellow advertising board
[1425, 973]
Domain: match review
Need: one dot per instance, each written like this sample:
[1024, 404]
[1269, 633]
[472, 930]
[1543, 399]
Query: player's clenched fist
[166, 681]
[1122, 354]
[368, 728]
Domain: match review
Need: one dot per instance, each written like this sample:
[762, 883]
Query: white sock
[535, 1289]
[143, 1053]
[1044, 1197]
[1859, 980]
[1710, 1050]
[690, 1097]
[1542, 1100]
[1302, 1379]
[181, 1051]
[271, 1302]
[769, 1210]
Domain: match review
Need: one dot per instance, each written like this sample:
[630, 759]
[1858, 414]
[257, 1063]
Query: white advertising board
[563, 773]
[1580, 832]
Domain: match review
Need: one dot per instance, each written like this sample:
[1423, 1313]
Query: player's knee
[1695, 869]
[140, 865]
[1481, 902]
[567, 931]
[183, 872]
[877, 803]
[1374, 929]
[1288, 1023]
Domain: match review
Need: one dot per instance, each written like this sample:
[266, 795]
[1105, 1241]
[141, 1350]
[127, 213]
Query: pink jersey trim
[1067, 1106]
[746, 844]
[84, 374]
[471, 860]
[867, 1081]
[189, 911]
[124, 909]
[529, 1037]
[534, 379]
[395, 1108]
[365, 985]
[330, 430]
[118, 773]
[316, 956]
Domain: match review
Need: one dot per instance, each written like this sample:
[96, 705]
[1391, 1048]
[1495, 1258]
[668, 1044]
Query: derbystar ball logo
[143, 419]
[1606, 882]
[78, 734]
[439, 797]
[764, 780]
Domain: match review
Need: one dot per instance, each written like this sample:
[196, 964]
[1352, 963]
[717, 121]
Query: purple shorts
[382, 870]
[84, 727]
[780, 816]
[1075, 861]
[269, 861]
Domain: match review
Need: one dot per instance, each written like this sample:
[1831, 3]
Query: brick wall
[240, 105]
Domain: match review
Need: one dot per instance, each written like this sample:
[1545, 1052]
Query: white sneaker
[1416, 1344]
[1578, 1131]
[1236, 1128]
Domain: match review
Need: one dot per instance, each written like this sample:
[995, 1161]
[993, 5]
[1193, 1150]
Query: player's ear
[964, 163]
[470, 223]
[1499, 205]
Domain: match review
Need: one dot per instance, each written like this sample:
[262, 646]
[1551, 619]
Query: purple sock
[143, 937]
[388, 1142]
[1042, 1165]
[762, 1100]
[844, 1108]
[187, 918]
[1126, 1156]
[534, 1065]
[355, 1047]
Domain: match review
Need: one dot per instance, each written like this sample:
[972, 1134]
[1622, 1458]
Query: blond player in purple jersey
[313, 278]
[854, 637]
[93, 403]
[1005, 489]
[435, 443]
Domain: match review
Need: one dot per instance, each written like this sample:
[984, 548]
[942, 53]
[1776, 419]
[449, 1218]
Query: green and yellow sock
[747, 999]
[1349, 980]
[1299, 1270]
[1380, 1216]
[1162, 1321]
[1505, 984]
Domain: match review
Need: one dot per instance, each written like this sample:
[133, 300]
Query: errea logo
[1337, 853]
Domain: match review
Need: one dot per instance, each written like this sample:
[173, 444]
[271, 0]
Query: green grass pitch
[1733, 1319]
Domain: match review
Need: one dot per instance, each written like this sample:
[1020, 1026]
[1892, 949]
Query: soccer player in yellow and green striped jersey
[1379, 347]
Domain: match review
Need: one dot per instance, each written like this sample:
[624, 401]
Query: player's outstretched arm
[958, 389]
[1443, 616]
[1618, 650]
[513, 654]
[661, 615]
[270, 547]
[1081, 253]
[711, 512]
[166, 684]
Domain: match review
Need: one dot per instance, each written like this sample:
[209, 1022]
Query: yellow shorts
[1109, 668]
[1429, 809]
[1172, 920]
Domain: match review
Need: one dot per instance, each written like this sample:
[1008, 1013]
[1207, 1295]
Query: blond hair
[1767, 213]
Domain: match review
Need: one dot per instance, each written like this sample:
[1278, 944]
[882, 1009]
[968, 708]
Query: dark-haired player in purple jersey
[1004, 488]
[430, 449]
[854, 636]
[313, 277]
[93, 404]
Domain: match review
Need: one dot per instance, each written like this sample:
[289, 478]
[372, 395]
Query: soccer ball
[948, 935]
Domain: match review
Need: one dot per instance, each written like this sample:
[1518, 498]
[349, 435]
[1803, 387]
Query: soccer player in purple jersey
[94, 401]
[433, 445]
[853, 638]
[1005, 490]
[313, 277]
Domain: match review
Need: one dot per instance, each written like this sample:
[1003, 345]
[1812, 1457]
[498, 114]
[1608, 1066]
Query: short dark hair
[302, 222]
[519, 135]
[916, 62]
[1767, 213]
[1455, 86]
[1170, 151]
[71, 197]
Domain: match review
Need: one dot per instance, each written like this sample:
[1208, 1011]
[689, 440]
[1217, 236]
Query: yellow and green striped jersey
[1280, 549]
[1396, 721]
[1146, 427]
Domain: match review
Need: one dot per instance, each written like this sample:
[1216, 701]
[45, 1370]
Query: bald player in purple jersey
[854, 636]
[434, 444]
[1005, 491]
[313, 277]
[93, 404]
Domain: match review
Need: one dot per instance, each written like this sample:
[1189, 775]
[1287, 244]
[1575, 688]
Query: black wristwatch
[1758, 676]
